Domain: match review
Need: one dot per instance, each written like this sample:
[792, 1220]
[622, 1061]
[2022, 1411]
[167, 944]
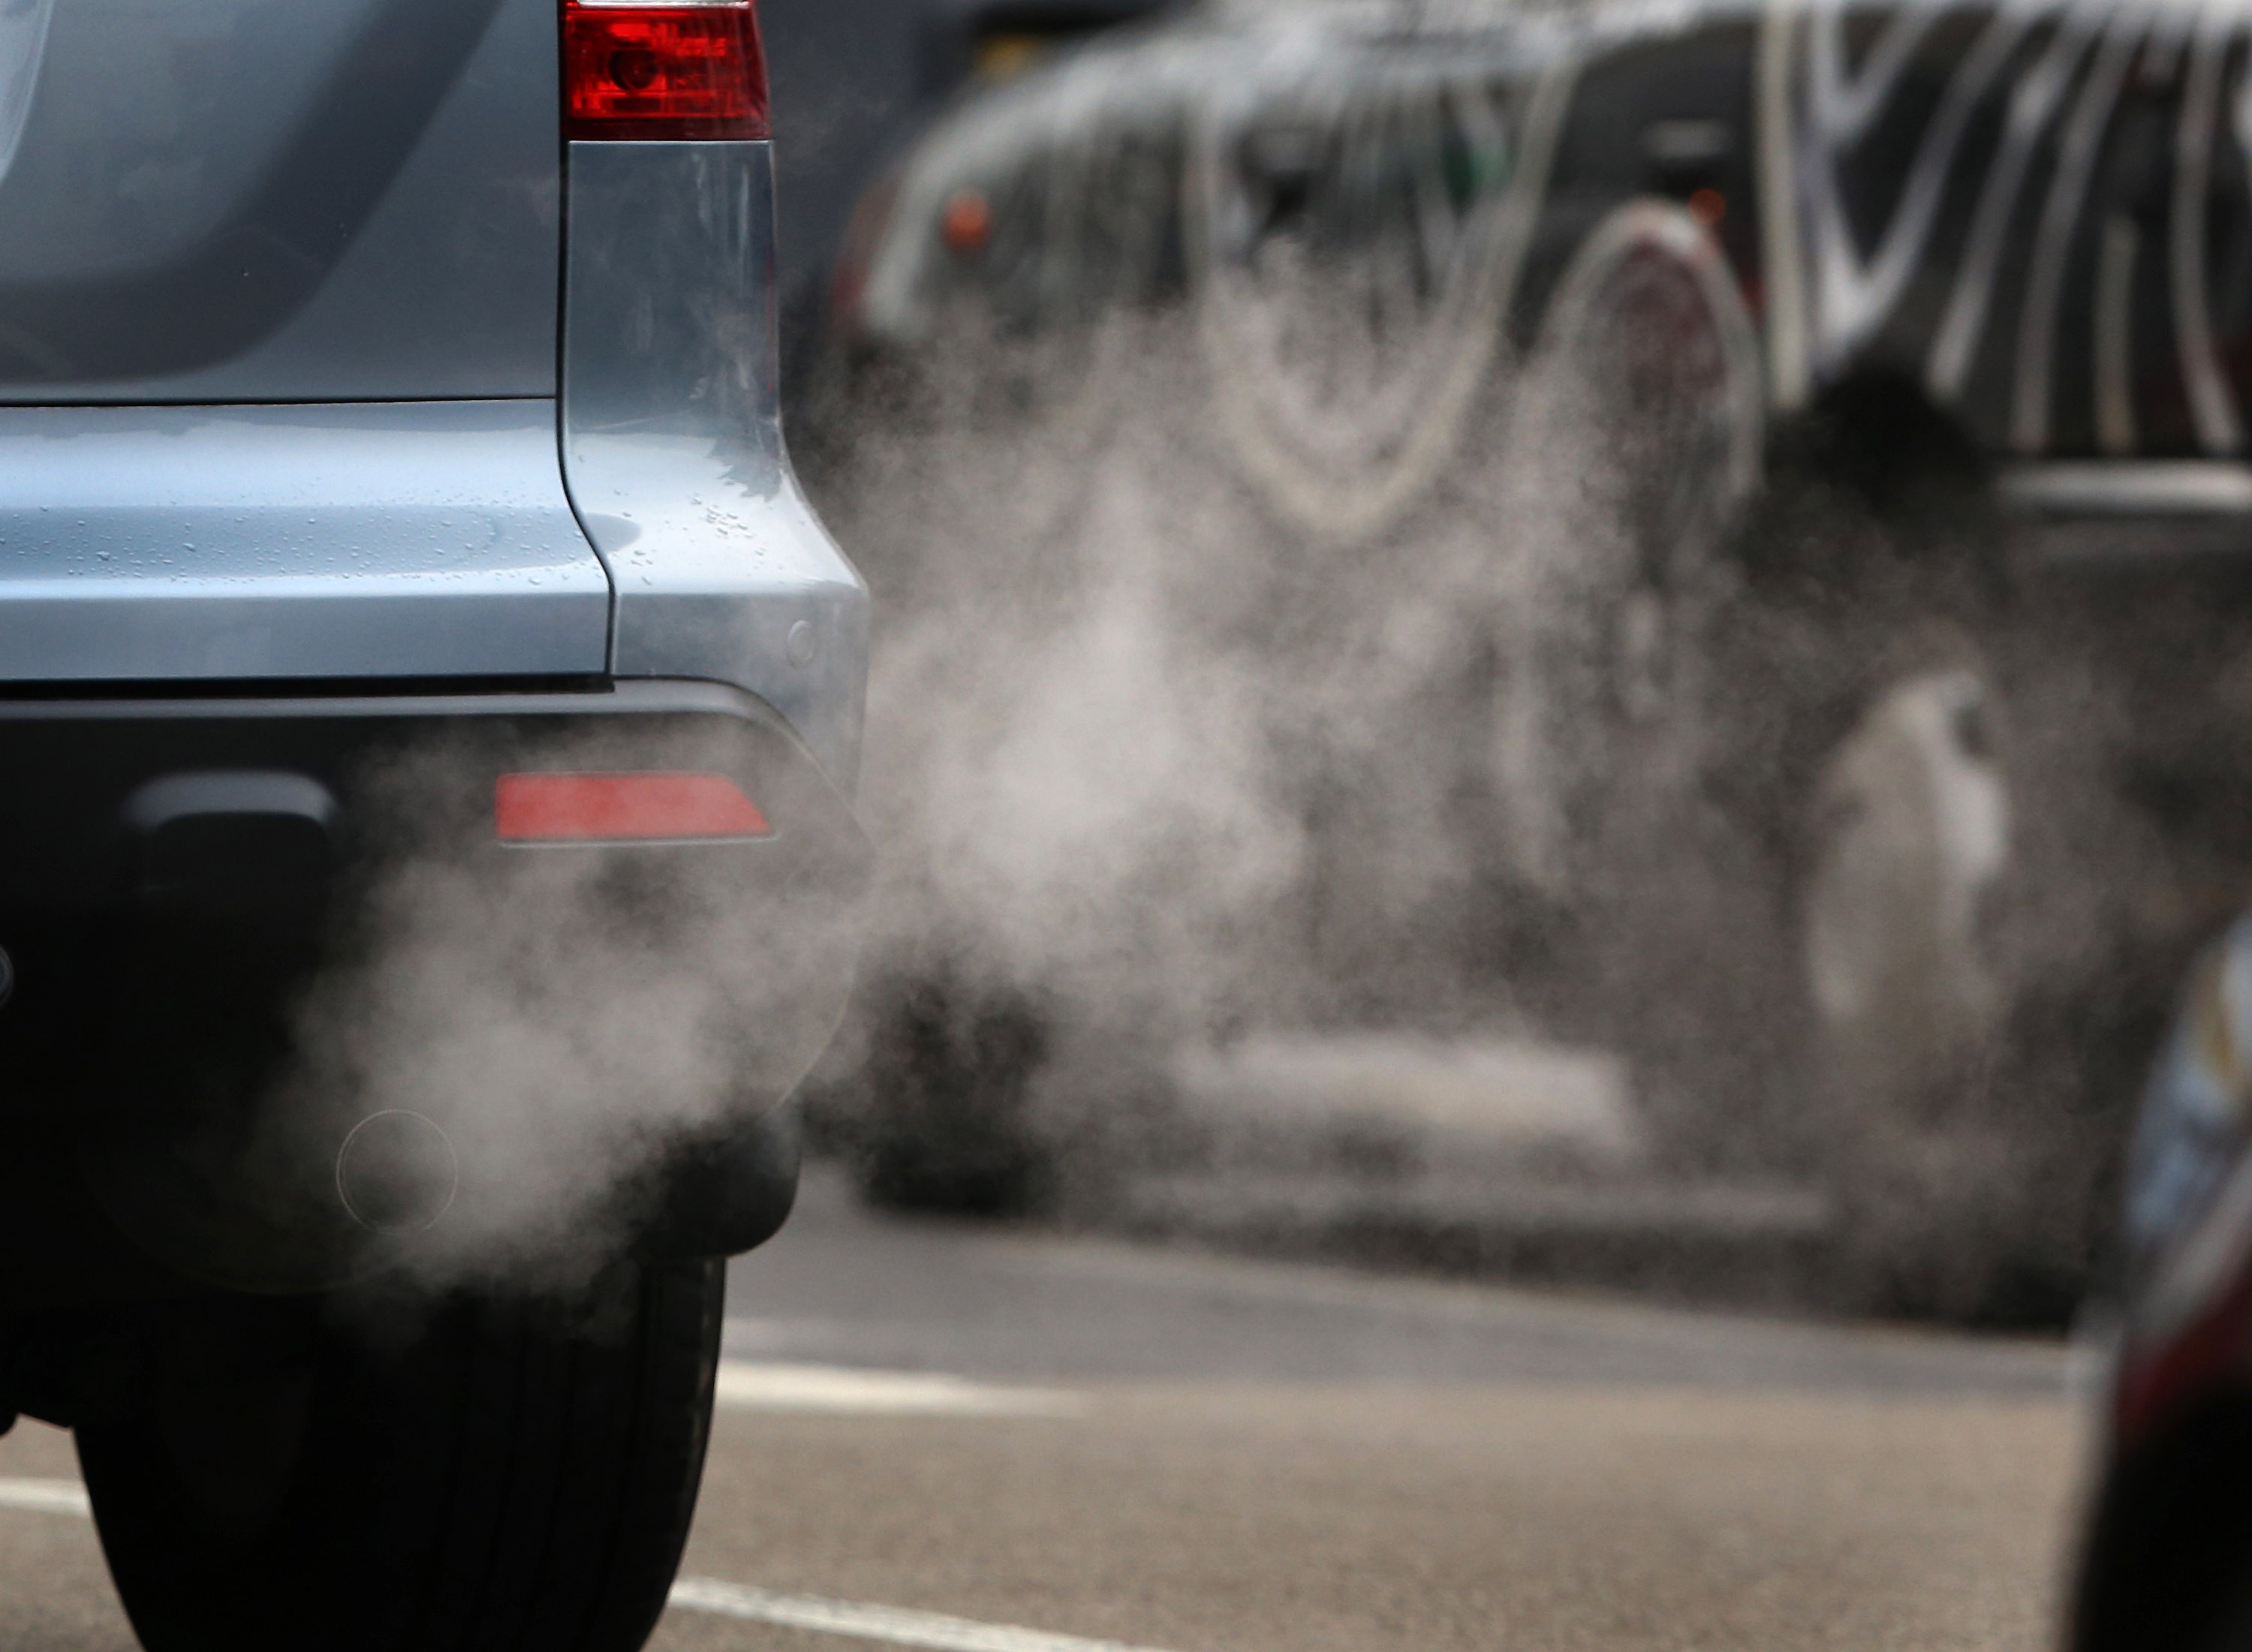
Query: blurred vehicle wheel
[1768, 790]
[1912, 836]
[1635, 446]
[1970, 987]
[500, 1479]
[946, 1083]
[1909, 844]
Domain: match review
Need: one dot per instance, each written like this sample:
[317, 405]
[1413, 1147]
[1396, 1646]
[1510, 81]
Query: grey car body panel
[240, 201]
[672, 445]
[387, 540]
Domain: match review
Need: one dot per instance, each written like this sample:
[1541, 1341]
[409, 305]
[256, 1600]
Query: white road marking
[763, 1386]
[933, 1631]
[46, 1496]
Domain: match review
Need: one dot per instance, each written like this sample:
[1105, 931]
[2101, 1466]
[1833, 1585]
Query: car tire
[1978, 1013]
[1755, 757]
[946, 1083]
[507, 1476]
[1618, 756]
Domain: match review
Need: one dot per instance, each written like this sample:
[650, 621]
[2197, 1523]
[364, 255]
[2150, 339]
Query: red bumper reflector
[615, 808]
[683, 71]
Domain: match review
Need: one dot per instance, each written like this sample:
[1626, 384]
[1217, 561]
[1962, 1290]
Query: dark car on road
[2167, 1565]
[1865, 755]
[430, 710]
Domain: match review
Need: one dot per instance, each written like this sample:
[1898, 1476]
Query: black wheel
[1987, 923]
[1818, 797]
[946, 1083]
[508, 1476]
[1619, 746]
[1981, 1007]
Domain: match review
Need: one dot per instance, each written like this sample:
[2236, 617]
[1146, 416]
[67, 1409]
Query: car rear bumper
[404, 540]
[242, 924]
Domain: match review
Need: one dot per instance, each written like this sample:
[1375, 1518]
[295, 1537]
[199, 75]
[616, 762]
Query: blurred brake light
[615, 808]
[662, 71]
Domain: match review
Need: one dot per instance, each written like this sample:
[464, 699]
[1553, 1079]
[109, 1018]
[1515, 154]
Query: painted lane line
[46, 1496]
[893, 1626]
[757, 1385]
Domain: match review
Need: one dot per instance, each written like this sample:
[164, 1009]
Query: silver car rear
[291, 323]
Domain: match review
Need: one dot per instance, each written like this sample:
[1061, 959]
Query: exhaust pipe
[397, 1173]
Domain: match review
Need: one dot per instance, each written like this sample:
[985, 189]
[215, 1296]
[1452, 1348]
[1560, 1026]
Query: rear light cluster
[623, 809]
[662, 71]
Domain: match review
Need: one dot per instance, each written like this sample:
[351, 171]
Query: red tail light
[622, 809]
[664, 71]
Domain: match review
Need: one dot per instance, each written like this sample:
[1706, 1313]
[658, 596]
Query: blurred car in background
[1869, 765]
[2167, 1565]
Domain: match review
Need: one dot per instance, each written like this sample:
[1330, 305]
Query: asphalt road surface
[984, 1441]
